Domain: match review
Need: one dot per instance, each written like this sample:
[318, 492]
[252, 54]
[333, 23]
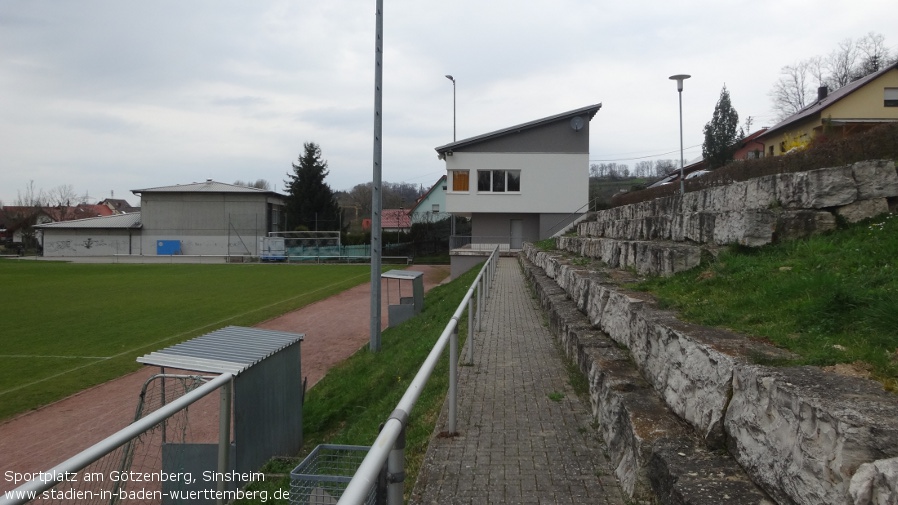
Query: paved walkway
[524, 435]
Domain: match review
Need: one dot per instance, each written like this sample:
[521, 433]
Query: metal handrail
[93, 453]
[390, 443]
[574, 213]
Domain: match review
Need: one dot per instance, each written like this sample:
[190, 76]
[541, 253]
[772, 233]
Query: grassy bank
[832, 299]
[348, 405]
[68, 326]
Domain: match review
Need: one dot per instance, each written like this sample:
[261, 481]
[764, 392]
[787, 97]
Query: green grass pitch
[65, 327]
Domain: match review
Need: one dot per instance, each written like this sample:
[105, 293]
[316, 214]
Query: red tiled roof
[395, 218]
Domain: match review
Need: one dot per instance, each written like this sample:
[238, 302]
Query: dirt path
[334, 329]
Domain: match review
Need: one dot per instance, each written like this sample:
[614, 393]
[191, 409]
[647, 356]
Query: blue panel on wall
[168, 247]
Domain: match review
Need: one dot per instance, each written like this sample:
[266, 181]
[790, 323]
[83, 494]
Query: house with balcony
[853, 108]
[519, 184]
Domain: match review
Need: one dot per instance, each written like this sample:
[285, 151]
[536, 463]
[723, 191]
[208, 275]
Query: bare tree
[664, 167]
[31, 197]
[643, 169]
[874, 54]
[790, 93]
[64, 195]
[851, 60]
[258, 184]
[842, 64]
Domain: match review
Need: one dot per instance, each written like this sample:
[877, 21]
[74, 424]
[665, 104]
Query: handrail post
[396, 470]
[453, 380]
[470, 360]
[480, 306]
[224, 435]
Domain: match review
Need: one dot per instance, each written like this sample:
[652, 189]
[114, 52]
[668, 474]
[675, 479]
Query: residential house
[394, 220]
[432, 205]
[21, 224]
[749, 147]
[119, 206]
[853, 108]
[521, 183]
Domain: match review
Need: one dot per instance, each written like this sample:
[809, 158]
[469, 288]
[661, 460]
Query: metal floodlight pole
[452, 221]
[453, 105]
[376, 203]
[680, 78]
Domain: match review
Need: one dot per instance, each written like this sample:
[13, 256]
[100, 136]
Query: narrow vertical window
[484, 180]
[460, 180]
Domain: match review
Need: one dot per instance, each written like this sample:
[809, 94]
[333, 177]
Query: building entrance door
[517, 234]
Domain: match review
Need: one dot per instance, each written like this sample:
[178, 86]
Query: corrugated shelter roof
[589, 111]
[119, 221]
[232, 349]
[209, 186]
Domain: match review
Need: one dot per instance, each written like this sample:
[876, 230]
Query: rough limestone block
[693, 379]
[760, 193]
[802, 434]
[863, 209]
[875, 483]
[751, 228]
[795, 224]
[684, 473]
[816, 189]
[875, 179]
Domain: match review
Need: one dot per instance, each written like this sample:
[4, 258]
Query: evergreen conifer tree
[721, 133]
[311, 204]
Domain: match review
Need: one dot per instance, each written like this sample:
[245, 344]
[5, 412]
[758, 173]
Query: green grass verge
[831, 298]
[68, 326]
[349, 404]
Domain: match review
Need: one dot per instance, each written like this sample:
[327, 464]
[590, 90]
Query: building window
[435, 208]
[498, 181]
[459, 180]
[890, 97]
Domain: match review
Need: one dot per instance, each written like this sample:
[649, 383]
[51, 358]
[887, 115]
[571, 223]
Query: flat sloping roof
[118, 221]
[209, 186]
[232, 349]
[589, 111]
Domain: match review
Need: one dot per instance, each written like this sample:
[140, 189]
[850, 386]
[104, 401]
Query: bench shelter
[266, 394]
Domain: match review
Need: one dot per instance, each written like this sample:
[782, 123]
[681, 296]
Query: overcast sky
[110, 95]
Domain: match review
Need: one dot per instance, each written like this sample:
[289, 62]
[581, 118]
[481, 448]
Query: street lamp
[453, 105]
[680, 78]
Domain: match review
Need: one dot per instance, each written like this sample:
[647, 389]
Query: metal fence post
[396, 470]
[453, 379]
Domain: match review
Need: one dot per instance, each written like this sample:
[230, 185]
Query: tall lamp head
[679, 78]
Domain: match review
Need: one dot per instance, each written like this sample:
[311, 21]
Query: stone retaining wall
[751, 213]
[803, 435]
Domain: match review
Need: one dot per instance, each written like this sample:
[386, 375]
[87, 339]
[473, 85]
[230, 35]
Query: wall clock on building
[577, 123]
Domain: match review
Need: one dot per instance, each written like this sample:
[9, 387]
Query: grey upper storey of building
[549, 134]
